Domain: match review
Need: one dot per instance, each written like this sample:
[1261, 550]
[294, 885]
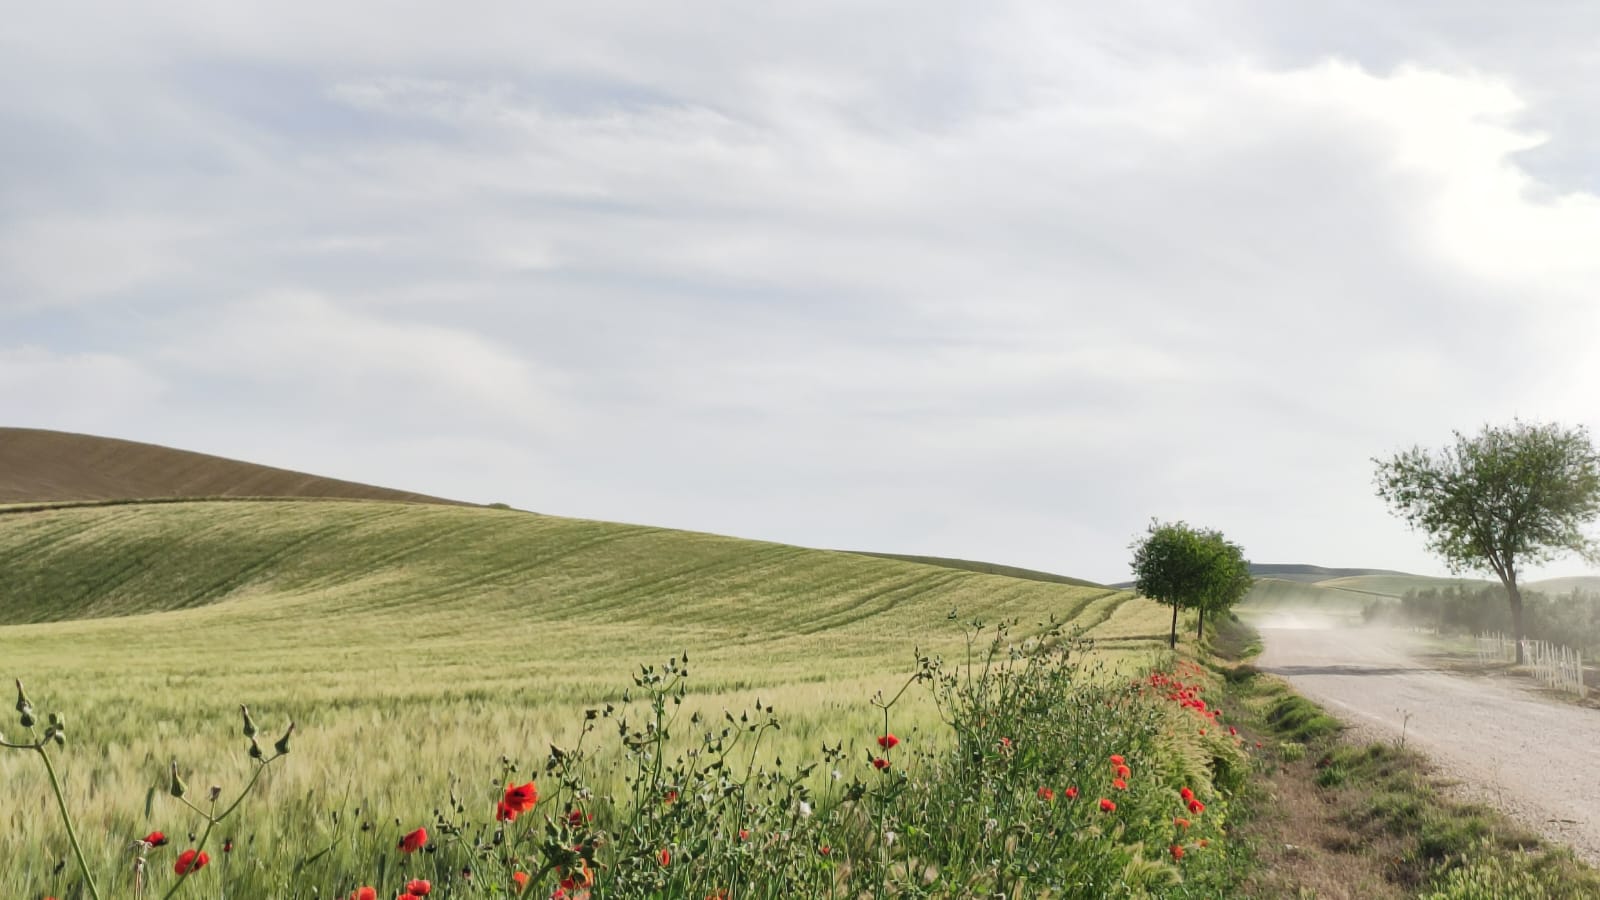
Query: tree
[1499, 501]
[1228, 578]
[1184, 567]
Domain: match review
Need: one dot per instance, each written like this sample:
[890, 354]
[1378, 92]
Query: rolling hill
[418, 643]
[38, 466]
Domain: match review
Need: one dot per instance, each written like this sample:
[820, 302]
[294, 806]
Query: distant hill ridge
[1303, 572]
[1299, 572]
[40, 466]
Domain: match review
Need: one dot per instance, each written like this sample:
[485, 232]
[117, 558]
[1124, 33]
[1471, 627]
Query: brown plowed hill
[39, 466]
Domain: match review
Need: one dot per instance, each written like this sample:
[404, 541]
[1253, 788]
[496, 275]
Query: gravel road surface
[1536, 758]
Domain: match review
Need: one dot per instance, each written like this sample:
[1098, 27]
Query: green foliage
[1490, 879]
[1571, 619]
[1188, 568]
[1500, 500]
[1300, 720]
[1487, 872]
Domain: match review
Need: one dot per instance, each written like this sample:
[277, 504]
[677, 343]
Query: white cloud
[368, 367]
[75, 391]
[941, 279]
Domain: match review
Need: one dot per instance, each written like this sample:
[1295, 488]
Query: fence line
[1557, 666]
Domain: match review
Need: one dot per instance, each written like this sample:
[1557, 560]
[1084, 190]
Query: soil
[1508, 744]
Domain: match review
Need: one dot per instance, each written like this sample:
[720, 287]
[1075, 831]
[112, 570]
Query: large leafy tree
[1499, 501]
[1188, 568]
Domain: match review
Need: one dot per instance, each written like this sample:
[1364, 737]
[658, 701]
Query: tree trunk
[1200, 625]
[1515, 596]
[1172, 642]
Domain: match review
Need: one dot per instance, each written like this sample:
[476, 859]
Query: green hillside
[1556, 586]
[986, 568]
[1275, 595]
[418, 643]
[1394, 585]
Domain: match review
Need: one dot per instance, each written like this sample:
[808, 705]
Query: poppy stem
[211, 822]
[66, 819]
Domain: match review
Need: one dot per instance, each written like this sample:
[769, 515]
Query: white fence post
[1556, 665]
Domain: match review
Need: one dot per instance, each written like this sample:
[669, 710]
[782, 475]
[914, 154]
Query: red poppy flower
[414, 841]
[880, 763]
[1123, 771]
[664, 857]
[364, 893]
[521, 878]
[419, 886]
[227, 846]
[516, 801]
[744, 834]
[1185, 793]
[1177, 852]
[1181, 822]
[1196, 807]
[1107, 805]
[1117, 760]
[1119, 784]
[888, 742]
[824, 850]
[1072, 793]
[670, 797]
[190, 860]
[407, 896]
[1046, 793]
[156, 839]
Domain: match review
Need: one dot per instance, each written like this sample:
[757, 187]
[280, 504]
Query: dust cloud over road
[1533, 757]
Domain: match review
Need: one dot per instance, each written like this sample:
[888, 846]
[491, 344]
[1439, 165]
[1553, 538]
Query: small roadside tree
[1228, 578]
[1500, 500]
[1184, 567]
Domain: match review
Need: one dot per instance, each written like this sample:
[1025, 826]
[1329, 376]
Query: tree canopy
[1499, 501]
[1185, 567]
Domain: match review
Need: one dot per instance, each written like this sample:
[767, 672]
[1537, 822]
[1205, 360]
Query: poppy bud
[176, 787]
[255, 749]
[249, 724]
[24, 708]
[282, 746]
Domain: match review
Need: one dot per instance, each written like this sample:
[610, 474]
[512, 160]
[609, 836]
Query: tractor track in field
[1509, 745]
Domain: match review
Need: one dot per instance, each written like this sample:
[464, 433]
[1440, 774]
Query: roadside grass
[1334, 819]
[416, 646]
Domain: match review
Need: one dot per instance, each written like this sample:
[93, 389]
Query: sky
[1000, 281]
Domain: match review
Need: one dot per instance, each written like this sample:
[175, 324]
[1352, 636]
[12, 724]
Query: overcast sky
[996, 280]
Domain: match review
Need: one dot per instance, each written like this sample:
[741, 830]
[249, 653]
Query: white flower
[805, 810]
[834, 774]
[888, 838]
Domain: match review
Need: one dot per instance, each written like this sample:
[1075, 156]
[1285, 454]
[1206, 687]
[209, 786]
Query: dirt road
[1535, 758]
